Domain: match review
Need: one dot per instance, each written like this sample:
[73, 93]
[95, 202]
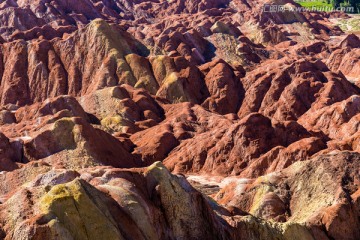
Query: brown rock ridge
[296, 196]
[110, 202]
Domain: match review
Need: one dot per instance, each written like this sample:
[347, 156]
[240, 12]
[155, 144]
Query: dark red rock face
[178, 119]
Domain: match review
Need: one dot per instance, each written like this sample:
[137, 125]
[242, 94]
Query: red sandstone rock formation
[254, 116]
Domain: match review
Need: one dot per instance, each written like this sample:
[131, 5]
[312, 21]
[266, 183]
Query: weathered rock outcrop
[296, 196]
[108, 202]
